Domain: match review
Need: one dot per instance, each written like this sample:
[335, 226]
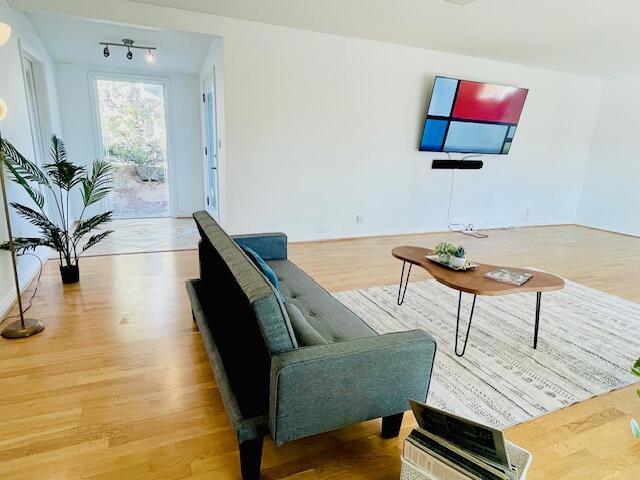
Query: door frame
[93, 78]
[210, 80]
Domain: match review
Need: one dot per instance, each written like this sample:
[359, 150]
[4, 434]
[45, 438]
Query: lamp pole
[10, 233]
[25, 327]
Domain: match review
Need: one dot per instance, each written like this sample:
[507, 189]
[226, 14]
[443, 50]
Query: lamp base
[16, 329]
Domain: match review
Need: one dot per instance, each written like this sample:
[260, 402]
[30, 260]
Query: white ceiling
[74, 40]
[595, 37]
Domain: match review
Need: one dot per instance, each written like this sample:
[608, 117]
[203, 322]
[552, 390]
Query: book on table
[447, 447]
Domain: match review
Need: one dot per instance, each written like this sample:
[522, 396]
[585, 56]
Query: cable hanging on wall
[129, 45]
[461, 227]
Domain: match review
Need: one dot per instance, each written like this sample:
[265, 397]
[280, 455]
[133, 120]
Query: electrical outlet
[359, 219]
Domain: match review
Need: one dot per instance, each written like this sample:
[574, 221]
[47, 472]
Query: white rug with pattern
[587, 343]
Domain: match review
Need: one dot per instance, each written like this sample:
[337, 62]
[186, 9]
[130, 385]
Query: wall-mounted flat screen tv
[471, 117]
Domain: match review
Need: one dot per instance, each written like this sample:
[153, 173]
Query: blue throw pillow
[264, 268]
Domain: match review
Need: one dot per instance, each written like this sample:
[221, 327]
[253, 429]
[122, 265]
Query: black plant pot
[70, 273]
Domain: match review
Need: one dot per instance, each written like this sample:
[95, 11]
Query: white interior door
[211, 146]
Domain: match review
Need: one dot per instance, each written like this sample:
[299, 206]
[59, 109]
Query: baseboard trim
[10, 299]
[403, 233]
[600, 229]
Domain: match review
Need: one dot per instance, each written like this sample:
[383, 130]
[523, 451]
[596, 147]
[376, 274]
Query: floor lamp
[25, 327]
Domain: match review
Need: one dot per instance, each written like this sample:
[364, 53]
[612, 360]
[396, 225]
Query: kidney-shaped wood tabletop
[473, 281]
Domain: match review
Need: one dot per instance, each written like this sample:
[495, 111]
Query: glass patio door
[133, 136]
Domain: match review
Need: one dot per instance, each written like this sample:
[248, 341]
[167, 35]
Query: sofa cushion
[263, 266]
[331, 319]
[270, 246]
[305, 333]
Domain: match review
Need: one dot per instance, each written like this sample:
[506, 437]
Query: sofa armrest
[324, 387]
[270, 246]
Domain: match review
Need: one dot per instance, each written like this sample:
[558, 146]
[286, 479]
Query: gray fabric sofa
[334, 371]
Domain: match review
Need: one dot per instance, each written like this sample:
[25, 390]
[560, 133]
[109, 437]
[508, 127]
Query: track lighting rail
[128, 44]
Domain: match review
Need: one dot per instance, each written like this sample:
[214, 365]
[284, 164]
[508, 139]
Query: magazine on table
[458, 448]
[504, 275]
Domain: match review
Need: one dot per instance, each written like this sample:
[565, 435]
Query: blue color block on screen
[512, 132]
[475, 137]
[433, 135]
[444, 89]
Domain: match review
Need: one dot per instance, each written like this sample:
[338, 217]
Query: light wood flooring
[118, 386]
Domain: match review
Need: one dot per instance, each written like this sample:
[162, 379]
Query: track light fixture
[129, 45]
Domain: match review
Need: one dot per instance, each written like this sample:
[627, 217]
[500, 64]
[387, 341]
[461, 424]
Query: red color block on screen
[489, 103]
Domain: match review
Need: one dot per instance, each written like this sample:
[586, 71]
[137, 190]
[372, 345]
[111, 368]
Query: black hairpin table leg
[537, 325]
[466, 337]
[401, 291]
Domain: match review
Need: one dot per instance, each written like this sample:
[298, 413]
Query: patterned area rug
[587, 343]
[143, 235]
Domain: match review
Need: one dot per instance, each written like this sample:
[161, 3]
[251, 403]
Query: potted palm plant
[60, 178]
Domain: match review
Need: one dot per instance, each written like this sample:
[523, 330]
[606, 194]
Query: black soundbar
[460, 164]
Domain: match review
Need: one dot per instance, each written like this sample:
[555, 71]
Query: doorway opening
[133, 138]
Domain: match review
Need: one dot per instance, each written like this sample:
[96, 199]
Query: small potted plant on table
[451, 254]
[458, 258]
[444, 251]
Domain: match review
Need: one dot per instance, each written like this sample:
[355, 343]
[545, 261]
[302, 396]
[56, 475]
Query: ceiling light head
[3, 109]
[150, 57]
[105, 52]
[5, 33]
[129, 54]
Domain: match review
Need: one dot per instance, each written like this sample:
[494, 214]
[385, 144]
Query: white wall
[611, 192]
[321, 128]
[16, 129]
[183, 128]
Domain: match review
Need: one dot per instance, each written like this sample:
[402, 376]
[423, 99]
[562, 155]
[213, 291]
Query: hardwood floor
[118, 386]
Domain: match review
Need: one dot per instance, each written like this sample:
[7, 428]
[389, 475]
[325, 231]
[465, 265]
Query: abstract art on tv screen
[471, 117]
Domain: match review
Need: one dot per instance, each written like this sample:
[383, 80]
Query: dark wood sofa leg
[391, 425]
[251, 458]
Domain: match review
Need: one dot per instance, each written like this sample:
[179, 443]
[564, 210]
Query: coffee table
[474, 283]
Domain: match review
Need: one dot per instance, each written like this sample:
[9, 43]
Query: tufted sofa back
[246, 319]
